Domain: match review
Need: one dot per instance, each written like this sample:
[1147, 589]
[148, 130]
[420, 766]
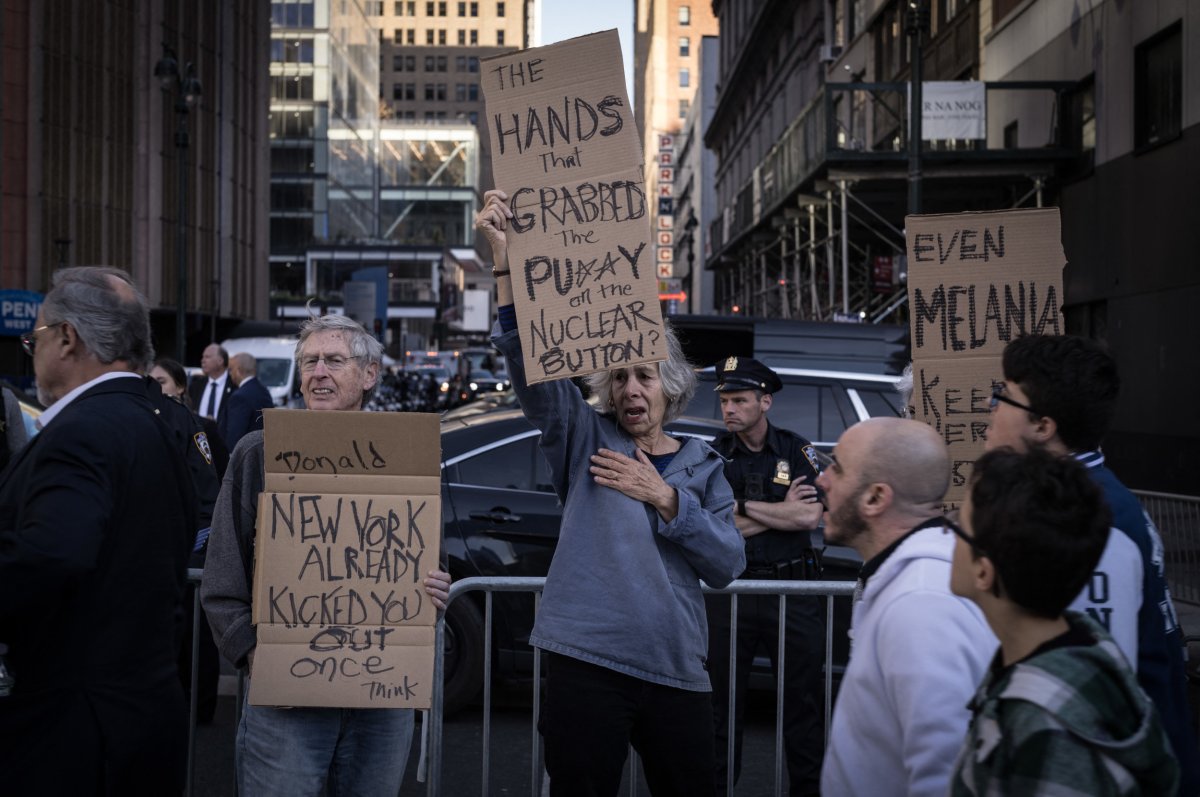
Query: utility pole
[916, 25]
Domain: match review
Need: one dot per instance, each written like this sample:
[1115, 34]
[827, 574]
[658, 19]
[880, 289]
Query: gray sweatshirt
[623, 590]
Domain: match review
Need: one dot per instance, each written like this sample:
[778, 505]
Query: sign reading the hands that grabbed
[565, 149]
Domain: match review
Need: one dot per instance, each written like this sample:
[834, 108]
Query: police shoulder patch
[810, 454]
[201, 441]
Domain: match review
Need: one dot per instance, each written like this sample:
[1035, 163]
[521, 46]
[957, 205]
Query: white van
[276, 364]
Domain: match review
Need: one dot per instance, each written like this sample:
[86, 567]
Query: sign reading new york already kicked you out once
[565, 149]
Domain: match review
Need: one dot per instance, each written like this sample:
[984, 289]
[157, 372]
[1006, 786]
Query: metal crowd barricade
[783, 589]
[194, 577]
[1178, 520]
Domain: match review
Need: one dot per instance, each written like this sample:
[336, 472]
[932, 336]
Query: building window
[374, 8]
[441, 9]
[411, 36]
[404, 92]
[398, 8]
[442, 61]
[397, 63]
[441, 37]
[1011, 137]
[473, 92]
[462, 9]
[684, 105]
[1158, 88]
[460, 63]
[499, 38]
[685, 78]
[499, 9]
[473, 64]
[398, 36]
[429, 62]
[460, 92]
[474, 38]
[429, 9]
[685, 46]
[685, 15]
[462, 38]
[429, 36]
[474, 117]
[474, 9]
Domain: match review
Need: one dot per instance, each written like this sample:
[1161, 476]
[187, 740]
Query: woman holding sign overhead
[646, 517]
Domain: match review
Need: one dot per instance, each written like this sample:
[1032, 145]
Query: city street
[463, 738]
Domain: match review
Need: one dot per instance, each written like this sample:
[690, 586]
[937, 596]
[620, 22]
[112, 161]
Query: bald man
[918, 652]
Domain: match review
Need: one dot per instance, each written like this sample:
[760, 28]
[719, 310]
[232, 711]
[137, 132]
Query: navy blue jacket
[242, 411]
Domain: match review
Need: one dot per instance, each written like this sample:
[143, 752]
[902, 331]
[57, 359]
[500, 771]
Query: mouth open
[635, 414]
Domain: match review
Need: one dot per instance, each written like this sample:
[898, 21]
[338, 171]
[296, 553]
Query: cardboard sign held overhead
[975, 282]
[565, 149]
[349, 522]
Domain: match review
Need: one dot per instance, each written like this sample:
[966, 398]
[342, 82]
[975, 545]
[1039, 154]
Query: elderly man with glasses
[1059, 394]
[302, 751]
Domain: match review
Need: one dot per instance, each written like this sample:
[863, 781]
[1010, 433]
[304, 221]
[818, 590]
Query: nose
[822, 478]
[320, 367]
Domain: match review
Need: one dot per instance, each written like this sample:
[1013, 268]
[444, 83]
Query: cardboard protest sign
[565, 148]
[349, 522]
[975, 282]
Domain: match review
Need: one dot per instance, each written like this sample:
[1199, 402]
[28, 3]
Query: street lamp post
[187, 92]
[917, 23]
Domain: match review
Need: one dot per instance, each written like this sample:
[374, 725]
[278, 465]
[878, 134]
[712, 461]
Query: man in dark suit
[210, 392]
[97, 517]
[242, 413]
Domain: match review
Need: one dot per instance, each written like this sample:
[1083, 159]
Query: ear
[69, 342]
[1045, 430]
[983, 573]
[876, 499]
[370, 376]
[766, 401]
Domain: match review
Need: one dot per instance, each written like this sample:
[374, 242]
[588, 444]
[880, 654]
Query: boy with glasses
[1059, 710]
[1058, 395]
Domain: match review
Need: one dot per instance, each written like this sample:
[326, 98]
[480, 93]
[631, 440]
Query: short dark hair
[174, 370]
[1042, 521]
[1071, 379]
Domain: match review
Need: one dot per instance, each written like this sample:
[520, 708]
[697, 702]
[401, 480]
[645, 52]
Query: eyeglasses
[333, 362]
[962, 535]
[29, 339]
[998, 396]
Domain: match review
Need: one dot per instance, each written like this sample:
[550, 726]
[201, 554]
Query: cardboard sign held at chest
[565, 149]
[976, 281]
[349, 522]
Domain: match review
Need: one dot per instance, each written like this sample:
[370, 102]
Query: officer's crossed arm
[800, 510]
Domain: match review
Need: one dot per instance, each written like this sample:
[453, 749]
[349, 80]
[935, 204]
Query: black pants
[803, 688]
[592, 714]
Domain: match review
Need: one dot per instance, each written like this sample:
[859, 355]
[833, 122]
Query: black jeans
[592, 714]
[803, 689]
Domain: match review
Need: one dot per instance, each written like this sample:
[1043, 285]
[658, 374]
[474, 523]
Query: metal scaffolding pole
[812, 260]
[845, 251]
[829, 264]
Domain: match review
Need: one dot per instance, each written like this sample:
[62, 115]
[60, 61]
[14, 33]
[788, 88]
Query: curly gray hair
[676, 374]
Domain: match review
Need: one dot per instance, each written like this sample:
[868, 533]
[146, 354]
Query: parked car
[501, 517]
[480, 383]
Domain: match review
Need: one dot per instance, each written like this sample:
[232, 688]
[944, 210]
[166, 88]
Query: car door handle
[496, 516]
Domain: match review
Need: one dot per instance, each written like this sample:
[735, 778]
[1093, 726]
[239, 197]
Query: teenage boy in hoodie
[1058, 394]
[1059, 710]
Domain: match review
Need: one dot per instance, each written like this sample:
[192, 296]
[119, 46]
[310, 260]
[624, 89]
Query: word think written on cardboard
[565, 149]
[975, 282]
[349, 522]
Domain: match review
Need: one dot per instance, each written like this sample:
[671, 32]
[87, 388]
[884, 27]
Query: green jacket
[1069, 720]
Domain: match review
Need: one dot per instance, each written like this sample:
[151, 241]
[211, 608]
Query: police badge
[201, 441]
[731, 364]
[783, 472]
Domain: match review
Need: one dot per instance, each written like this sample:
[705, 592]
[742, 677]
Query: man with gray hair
[918, 651]
[97, 518]
[246, 403]
[300, 751]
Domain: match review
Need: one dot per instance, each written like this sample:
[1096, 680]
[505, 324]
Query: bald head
[907, 455]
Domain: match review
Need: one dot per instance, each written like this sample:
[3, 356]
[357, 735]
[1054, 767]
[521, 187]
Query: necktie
[211, 408]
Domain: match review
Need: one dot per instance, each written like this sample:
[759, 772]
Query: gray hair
[363, 345]
[246, 363]
[676, 374]
[111, 326]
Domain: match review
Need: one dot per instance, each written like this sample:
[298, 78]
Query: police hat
[745, 373]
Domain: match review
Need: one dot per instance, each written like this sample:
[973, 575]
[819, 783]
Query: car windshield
[482, 375]
[274, 371]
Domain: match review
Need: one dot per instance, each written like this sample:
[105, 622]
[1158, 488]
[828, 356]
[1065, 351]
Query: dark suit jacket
[97, 518]
[196, 388]
[244, 413]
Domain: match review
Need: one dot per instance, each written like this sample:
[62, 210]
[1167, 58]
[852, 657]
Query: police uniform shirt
[766, 475]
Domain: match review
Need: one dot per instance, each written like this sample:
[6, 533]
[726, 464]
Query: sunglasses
[998, 396]
[29, 339]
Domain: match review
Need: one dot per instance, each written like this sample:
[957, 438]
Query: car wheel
[463, 656]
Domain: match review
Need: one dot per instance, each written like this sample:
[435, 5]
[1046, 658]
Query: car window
[811, 411]
[518, 465]
[274, 371]
[880, 403]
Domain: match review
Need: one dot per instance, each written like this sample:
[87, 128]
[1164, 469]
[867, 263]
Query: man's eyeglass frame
[998, 396]
[29, 339]
[957, 531]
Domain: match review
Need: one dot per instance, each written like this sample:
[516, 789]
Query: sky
[566, 19]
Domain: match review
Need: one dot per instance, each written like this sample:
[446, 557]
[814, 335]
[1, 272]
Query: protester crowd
[1024, 644]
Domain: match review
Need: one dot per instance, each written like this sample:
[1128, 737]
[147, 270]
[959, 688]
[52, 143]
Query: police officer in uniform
[773, 473]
